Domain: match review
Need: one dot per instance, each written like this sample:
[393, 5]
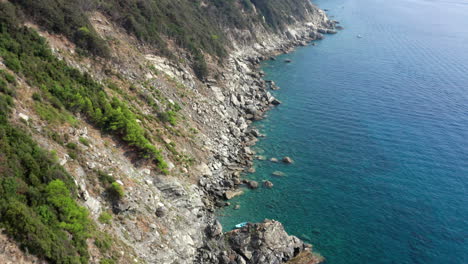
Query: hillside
[124, 124]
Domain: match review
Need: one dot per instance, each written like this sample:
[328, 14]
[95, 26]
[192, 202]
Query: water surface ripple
[378, 129]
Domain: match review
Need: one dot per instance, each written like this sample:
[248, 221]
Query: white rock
[204, 169]
[24, 117]
[218, 93]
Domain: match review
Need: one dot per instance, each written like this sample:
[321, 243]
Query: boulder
[267, 184]
[322, 31]
[287, 160]
[275, 102]
[215, 229]
[161, 211]
[23, 117]
[252, 184]
[231, 194]
[274, 160]
[278, 173]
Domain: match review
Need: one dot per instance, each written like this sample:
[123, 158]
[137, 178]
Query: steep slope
[145, 106]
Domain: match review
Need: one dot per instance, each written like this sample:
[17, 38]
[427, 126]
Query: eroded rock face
[265, 242]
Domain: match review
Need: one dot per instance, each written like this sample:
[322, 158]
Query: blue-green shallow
[378, 129]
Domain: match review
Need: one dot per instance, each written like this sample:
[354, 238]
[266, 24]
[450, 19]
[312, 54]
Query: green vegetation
[37, 205]
[105, 218]
[67, 18]
[168, 116]
[85, 141]
[192, 26]
[115, 191]
[67, 87]
[107, 261]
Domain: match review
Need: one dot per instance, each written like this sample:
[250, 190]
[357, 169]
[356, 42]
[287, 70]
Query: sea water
[378, 128]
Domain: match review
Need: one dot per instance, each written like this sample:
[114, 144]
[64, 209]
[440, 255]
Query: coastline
[226, 183]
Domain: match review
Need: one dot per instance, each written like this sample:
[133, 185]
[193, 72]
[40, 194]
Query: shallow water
[378, 129]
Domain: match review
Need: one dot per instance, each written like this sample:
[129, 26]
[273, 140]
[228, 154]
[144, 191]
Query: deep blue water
[378, 129]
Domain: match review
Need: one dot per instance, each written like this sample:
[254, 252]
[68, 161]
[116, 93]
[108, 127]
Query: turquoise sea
[378, 129]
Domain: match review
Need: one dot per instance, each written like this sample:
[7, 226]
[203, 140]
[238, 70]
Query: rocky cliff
[155, 207]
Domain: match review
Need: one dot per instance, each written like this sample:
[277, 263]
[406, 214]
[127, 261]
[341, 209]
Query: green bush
[72, 145]
[107, 261]
[168, 116]
[66, 87]
[85, 141]
[105, 178]
[105, 218]
[36, 97]
[115, 191]
[37, 205]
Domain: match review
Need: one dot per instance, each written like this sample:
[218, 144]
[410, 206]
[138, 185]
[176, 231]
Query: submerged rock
[267, 184]
[278, 173]
[252, 184]
[287, 160]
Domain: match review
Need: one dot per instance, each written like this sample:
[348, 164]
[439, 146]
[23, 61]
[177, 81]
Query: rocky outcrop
[261, 243]
[169, 218]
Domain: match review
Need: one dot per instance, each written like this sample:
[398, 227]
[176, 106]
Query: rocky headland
[169, 218]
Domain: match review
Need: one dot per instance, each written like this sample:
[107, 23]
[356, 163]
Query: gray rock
[278, 173]
[161, 211]
[274, 160]
[252, 184]
[215, 229]
[262, 243]
[267, 184]
[275, 102]
[231, 194]
[287, 160]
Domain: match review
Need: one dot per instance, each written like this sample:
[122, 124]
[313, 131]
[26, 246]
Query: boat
[240, 225]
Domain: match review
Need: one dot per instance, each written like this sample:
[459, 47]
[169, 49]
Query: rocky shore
[246, 100]
[169, 218]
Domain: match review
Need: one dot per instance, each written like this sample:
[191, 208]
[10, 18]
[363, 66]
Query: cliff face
[159, 145]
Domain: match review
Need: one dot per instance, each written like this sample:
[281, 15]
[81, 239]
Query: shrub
[72, 145]
[115, 191]
[85, 141]
[36, 97]
[169, 116]
[64, 86]
[107, 261]
[105, 218]
[105, 178]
